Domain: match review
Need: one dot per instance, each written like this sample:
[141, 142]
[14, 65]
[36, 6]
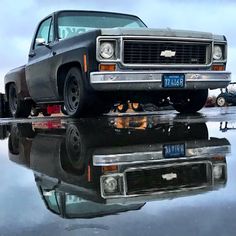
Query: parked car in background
[227, 96]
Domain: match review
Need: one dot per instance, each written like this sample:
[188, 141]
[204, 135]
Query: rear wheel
[220, 101]
[189, 101]
[18, 107]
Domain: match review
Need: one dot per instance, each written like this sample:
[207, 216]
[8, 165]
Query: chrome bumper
[152, 80]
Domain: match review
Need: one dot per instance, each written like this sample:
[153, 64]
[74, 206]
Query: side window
[43, 32]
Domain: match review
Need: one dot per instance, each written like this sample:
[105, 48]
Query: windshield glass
[74, 23]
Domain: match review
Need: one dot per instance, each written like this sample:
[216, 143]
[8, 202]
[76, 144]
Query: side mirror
[40, 42]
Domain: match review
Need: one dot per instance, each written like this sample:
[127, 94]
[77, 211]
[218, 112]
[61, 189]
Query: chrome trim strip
[139, 80]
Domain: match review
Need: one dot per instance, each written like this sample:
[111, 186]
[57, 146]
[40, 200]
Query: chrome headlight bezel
[114, 45]
[118, 188]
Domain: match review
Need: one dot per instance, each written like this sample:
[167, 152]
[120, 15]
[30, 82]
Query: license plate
[173, 150]
[173, 81]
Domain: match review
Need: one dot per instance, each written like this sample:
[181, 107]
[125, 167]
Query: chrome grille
[187, 176]
[149, 52]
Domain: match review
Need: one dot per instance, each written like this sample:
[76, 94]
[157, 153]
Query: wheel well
[61, 75]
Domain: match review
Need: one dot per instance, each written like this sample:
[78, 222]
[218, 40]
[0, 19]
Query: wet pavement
[157, 173]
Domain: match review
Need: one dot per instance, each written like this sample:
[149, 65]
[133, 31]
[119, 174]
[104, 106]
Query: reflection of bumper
[193, 150]
[152, 80]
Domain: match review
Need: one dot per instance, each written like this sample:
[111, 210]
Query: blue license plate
[173, 150]
[173, 81]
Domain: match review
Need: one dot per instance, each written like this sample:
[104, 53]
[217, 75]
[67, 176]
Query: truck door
[38, 70]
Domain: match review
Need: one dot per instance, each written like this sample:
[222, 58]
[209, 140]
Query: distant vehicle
[227, 96]
[90, 61]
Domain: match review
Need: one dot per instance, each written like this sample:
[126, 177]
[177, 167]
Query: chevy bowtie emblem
[168, 53]
[169, 176]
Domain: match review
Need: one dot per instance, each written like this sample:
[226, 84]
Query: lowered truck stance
[88, 61]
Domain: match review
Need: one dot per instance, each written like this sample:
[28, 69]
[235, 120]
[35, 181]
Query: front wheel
[74, 93]
[189, 101]
[18, 107]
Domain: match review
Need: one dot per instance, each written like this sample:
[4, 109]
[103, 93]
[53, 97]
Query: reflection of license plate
[173, 150]
[173, 81]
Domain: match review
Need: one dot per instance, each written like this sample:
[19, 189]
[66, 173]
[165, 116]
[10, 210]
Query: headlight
[217, 171]
[217, 53]
[107, 50]
[110, 185]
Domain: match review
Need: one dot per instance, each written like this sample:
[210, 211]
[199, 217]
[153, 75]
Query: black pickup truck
[89, 61]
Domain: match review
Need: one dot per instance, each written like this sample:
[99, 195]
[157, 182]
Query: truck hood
[160, 33]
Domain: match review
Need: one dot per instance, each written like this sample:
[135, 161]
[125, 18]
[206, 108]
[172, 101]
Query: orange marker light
[85, 63]
[107, 67]
[109, 169]
[218, 67]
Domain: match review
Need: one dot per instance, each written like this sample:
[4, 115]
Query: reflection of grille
[149, 52]
[182, 176]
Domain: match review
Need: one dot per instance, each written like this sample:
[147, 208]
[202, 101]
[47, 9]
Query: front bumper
[152, 80]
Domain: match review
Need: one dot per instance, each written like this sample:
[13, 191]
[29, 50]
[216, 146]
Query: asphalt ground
[174, 174]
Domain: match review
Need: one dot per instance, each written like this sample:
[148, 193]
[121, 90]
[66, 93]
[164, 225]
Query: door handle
[32, 54]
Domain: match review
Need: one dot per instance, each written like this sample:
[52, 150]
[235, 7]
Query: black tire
[189, 101]
[78, 101]
[18, 107]
[74, 93]
[73, 151]
[123, 107]
[221, 101]
[136, 106]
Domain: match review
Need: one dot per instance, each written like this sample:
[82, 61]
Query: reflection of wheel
[123, 107]
[73, 152]
[13, 140]
[136, 106]
[189, 101]
[18, 107]
[220, 101]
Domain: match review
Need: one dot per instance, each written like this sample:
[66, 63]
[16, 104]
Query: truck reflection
[92, 168]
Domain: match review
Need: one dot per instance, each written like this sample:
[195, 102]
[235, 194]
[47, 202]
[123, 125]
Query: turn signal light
[218, 67]
[109, 169]
[107, 67]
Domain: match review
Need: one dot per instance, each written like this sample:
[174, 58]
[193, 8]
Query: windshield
[74, 23]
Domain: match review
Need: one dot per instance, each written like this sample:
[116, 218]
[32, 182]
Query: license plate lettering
[173, 150]
[173, 81]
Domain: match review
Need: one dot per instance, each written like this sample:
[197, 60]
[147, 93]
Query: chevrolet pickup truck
[88, 61]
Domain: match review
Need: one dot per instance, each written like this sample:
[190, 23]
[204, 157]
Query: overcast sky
[19, 18]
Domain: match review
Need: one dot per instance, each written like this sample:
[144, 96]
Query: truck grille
[154, 180]
[149, 52]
